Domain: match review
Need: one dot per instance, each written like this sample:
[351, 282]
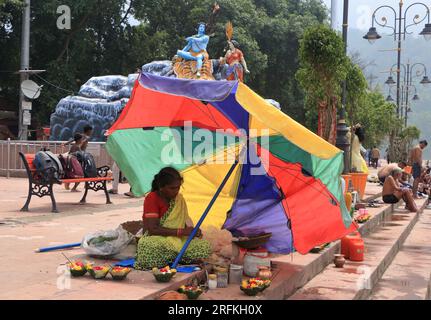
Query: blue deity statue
[195, 50]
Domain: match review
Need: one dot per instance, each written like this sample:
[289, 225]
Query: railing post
[8, 159]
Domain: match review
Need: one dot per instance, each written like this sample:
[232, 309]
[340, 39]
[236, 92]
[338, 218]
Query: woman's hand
[188, 231]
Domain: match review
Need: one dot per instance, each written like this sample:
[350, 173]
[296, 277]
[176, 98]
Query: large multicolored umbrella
[288, 182]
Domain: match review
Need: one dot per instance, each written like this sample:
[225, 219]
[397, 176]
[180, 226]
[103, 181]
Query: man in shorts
[415, 160]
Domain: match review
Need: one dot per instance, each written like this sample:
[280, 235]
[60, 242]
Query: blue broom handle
[201, 220]
[65, 246]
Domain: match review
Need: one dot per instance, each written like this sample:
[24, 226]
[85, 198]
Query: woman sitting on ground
[167, 225]
[392, 192]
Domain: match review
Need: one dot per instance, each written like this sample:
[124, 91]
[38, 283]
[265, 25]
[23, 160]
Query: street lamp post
[400, 29]
[25, 64]
[342, 141]
[407, 84]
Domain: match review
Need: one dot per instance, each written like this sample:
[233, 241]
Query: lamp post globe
[372, 35]
[425, 81]
[390, 81]
[426, 32]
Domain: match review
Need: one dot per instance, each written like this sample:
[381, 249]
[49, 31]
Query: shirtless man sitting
[392, 192]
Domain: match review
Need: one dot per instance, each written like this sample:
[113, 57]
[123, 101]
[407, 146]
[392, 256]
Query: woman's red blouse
[154, 206]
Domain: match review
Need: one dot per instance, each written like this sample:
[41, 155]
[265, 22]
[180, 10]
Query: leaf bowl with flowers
[164, 274]
[77, 268]
[119, 273]
[97, 272]
[362, 218]
[191, 291]
[253, 286]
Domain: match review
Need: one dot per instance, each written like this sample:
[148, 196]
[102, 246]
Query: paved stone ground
[33, 275]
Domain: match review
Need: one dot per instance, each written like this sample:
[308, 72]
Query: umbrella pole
[201, 220]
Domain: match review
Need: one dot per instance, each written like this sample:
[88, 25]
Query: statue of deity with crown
[193, 61]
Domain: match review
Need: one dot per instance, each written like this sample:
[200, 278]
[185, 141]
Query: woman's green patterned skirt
[158, 251]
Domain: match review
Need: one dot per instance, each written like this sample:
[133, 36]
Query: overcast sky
[360, 11]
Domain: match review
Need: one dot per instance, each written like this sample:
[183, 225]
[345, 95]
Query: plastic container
[348, 199]
[359, 181]
[347, 178]
[222, 274]
[346, 243]
[222, 279]
[356, 250]
[212, 281]
[408, 169]
[235, 274]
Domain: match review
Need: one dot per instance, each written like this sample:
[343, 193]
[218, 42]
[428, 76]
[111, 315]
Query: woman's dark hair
[360, 132]
[165, 177]
[77, 137]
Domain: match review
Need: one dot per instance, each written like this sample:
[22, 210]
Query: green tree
[102, 41]
[267, 30]
[378, 117]
[324, 66]
[407, 136]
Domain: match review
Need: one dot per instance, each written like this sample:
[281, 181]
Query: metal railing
[11, 165]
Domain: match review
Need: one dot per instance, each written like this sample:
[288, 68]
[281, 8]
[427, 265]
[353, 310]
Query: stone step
[408, 277]
[383, 239]
[291, 272]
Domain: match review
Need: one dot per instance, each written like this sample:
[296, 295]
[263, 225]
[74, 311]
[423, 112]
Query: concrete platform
[356, 280]
[294, 271]
[409, 275]
[43, 276]
[13, 194]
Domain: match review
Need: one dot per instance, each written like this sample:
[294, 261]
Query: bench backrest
[29, 158]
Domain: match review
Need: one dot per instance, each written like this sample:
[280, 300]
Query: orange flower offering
[77, 265]
[253, 286]
[77, 269]
[164, 274]
[119, 273]
[164, 270]
[192, 292]
[363, 218]
[97, 272]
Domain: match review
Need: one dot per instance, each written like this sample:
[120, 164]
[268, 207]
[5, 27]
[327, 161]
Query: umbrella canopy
[288, 182]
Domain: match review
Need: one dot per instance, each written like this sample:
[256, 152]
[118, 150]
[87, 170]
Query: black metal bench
[41, 188]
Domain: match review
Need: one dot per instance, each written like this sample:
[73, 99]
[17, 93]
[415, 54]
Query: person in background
[78, 140]
[88, 131]
[358, 163]
[424, 187]
[393, 192]
[116, 177]
[368, 157]
[415, 160]
[375, 156]
[386, 170]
